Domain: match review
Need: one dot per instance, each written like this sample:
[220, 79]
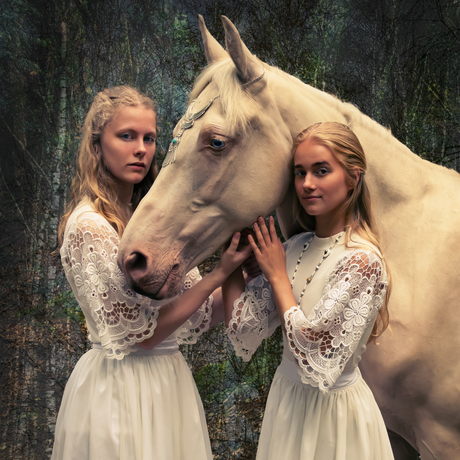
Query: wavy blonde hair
[357, 207]
[92, 178]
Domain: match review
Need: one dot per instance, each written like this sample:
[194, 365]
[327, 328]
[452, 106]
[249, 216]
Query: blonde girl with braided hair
[132, 396]
[92, 179]
[328, 289]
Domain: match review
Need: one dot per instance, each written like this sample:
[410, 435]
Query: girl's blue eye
[322, 171]
[126, 136]
[217, 143]
[299, 173]
[149, 139]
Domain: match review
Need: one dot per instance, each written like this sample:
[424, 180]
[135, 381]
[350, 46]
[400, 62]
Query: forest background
[398, 61]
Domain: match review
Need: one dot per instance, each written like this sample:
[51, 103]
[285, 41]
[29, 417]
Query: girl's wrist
[221, 274]
[280, 279]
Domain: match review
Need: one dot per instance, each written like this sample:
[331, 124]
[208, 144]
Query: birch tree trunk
[56, 191]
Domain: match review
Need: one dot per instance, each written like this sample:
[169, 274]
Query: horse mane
[351, 113]
[240, 107]
[237, 103]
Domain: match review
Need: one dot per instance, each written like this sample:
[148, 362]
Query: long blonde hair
[357, 208]
[92, 178]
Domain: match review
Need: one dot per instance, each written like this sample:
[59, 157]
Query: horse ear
[248, 68]
[214, 52]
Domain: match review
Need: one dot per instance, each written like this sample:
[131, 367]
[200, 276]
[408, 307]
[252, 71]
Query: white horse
[231, 163]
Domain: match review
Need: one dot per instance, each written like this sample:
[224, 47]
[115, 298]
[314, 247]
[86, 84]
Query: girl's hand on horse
[233, 255]
[250, 266]
[269, 251]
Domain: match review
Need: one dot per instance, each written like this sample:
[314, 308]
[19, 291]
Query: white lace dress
[123, 403]
[319, 407]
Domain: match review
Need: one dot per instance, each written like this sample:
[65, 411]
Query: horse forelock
[237, 103]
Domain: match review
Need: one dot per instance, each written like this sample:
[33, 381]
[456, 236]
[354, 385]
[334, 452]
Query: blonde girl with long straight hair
[326, 287]
[357, 208]
[132, 396]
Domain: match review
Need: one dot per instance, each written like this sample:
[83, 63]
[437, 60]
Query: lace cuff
[323, 342]
[254, 318]
[200, 321]
[89, 256]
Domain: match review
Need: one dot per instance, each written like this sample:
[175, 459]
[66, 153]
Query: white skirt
[301, 423]
[142, 407]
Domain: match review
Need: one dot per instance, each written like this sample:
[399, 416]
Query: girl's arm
[250, 312]
[217, 307]
[175, 313]
[232, 288]
[271, 259]
[235, 284]
[324, 341]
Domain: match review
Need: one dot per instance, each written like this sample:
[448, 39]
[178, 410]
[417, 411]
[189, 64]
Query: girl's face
[128, 146]
[321, 185]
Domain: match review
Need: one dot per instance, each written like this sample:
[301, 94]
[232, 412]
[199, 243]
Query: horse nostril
[135, 265]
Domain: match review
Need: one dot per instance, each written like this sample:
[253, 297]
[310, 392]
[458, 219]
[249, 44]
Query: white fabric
[302, 423]
[121, 402]
[324, 341]
[291, 370]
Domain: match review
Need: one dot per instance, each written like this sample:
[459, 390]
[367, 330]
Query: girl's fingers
[233, 243]
[236, 239]
[264, 231]
[260, 238]
[253, 245]
[273, 234]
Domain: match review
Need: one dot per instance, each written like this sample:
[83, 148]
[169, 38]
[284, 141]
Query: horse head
[227, 165]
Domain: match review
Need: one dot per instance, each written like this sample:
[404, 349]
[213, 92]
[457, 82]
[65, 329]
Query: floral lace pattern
[123, 317]
[254, 318]
[323, 342]
[200, 321]
[254, 315]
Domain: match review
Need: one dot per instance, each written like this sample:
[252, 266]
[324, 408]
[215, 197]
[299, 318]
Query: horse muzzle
[159, 280]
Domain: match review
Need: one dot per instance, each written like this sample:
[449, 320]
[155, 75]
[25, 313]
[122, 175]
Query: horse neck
[393, 170]
[395, 175]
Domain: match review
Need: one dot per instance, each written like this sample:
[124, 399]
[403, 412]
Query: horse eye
[217, 143]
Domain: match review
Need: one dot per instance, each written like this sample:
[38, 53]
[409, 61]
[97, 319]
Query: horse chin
[151, 287]
[173, 283]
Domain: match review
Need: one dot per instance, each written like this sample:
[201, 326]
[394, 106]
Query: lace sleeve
[254, 315]
[323, 342]
[254, 318]
[89, 256]
[200, 321]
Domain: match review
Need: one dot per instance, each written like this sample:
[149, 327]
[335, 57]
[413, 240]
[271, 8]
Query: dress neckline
[324, 243]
